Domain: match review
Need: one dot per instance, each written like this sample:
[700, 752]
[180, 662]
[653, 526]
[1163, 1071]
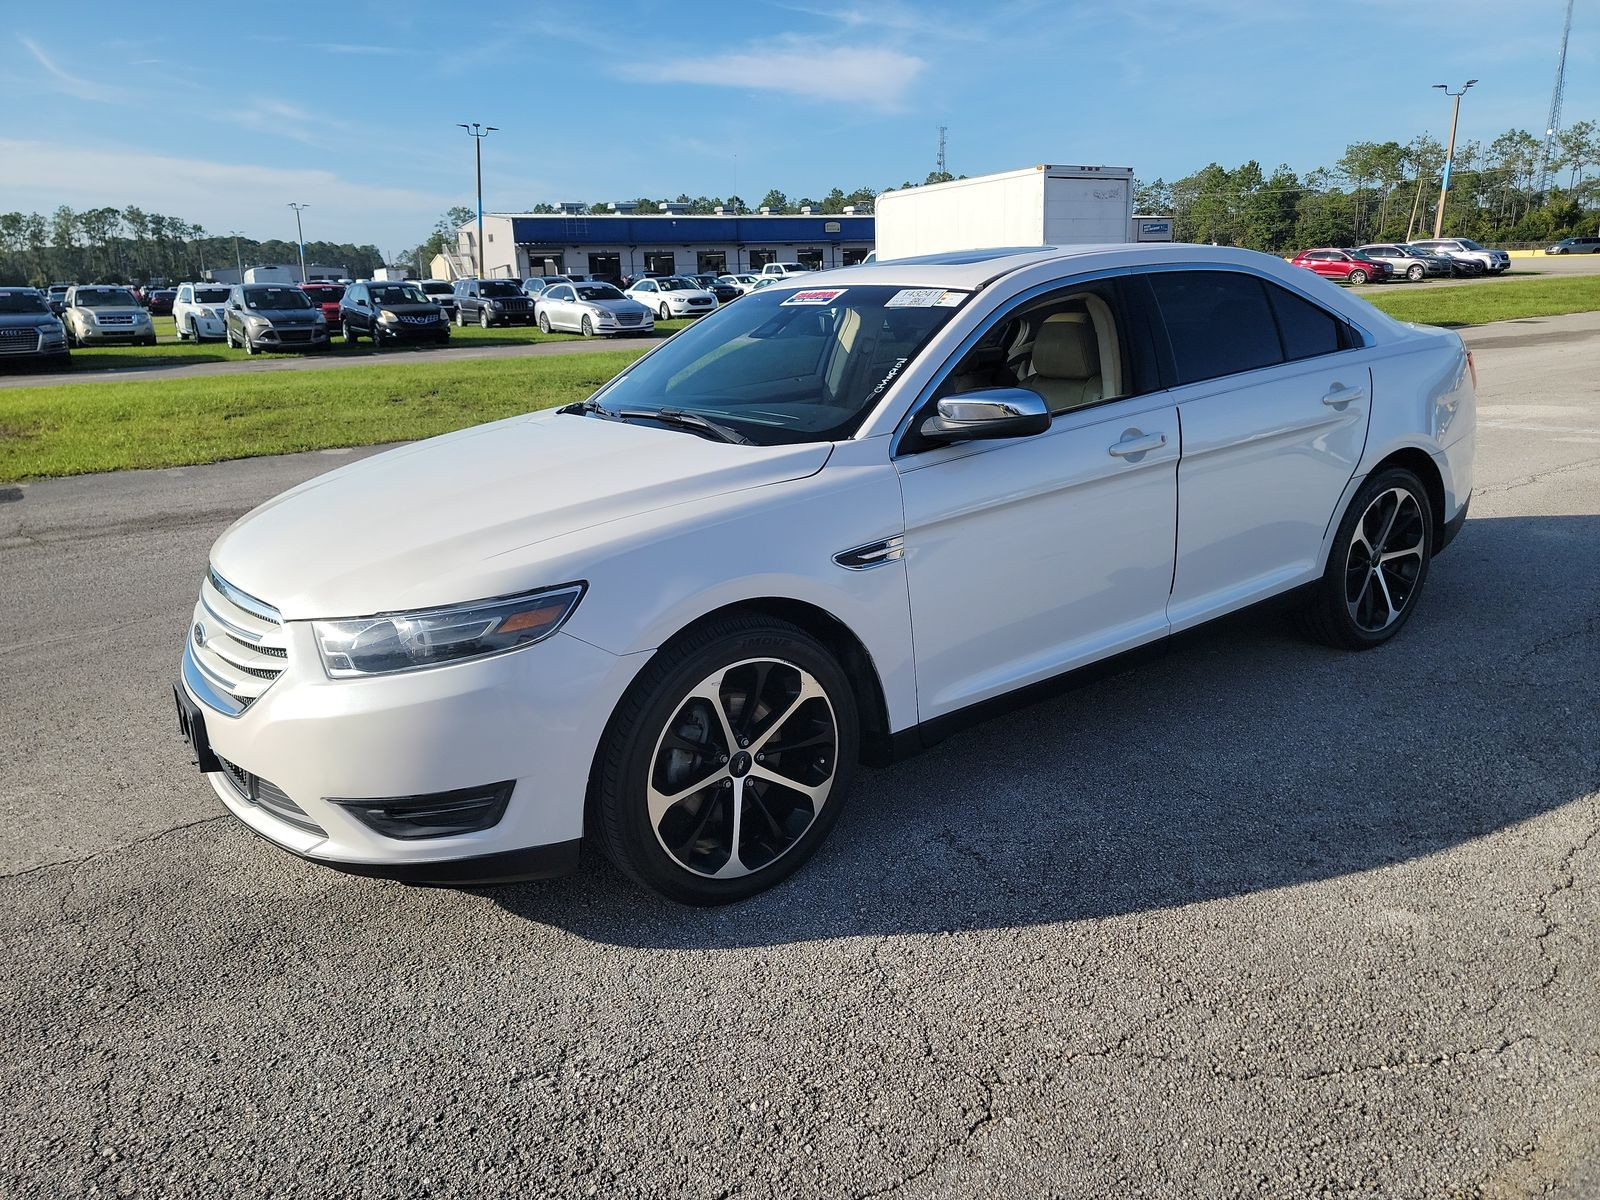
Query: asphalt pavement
[1261, 919]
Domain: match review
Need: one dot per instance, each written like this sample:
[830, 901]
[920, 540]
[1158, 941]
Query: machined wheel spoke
[816, 794]
[809, 690]
[735, 864]
[1388, 599]
[711, 692]
[1407, 552]
[661, 803]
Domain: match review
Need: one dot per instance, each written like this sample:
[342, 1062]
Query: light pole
[300, 237]
[238, 259]
[1450, 154]
[478, 133]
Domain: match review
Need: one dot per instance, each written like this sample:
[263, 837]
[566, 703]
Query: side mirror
[987, 413]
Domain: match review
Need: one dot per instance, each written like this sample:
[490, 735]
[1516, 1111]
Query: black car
[29, 332]
[492, 302]
[391, 313]
[273, 316]
[725, 293]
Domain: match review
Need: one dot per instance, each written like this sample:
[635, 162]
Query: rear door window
[1218, 323]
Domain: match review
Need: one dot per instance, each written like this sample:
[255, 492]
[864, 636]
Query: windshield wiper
[687, 420]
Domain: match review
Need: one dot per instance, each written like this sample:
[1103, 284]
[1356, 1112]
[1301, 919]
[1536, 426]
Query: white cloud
[810, 68]
[220, 196]
[64, 81]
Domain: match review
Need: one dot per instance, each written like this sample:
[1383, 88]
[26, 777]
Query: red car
[326, 296]
[1347, 266]
[159, 302]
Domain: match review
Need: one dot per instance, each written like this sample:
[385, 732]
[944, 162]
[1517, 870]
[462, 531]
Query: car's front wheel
[1415, 272]
[587, 328]
[348, 332]
[544, 322]
[1376, 567]
[665, 313]
[727, 762]
[483, 318]
[1358, 277]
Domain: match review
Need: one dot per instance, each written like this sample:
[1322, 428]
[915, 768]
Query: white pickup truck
[783, 270]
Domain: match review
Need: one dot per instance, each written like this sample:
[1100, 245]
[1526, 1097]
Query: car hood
[12, 320]
[286, 316]
[615, 306]
[461, 517]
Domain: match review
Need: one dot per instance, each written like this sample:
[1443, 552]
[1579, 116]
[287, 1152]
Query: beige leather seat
[1066, 362]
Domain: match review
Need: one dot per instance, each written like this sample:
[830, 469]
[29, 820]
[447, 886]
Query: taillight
[1472, 369]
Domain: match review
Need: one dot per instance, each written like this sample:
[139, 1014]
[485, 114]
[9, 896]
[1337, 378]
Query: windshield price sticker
[925, 298]
[816, 296]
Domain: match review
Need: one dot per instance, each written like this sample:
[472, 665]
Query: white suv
[824, 527]
[197, 310]
[1493, 262]
[777, 270]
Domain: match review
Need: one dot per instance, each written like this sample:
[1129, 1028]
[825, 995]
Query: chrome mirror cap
[987, 413]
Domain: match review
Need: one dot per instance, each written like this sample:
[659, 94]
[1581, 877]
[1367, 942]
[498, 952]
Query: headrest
[1065, 348]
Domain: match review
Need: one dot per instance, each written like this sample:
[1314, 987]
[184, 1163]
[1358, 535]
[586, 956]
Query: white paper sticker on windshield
[924, 298]
[815, 296]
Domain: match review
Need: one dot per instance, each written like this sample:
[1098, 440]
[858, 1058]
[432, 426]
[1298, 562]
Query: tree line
[129, 245]
[1504, 192]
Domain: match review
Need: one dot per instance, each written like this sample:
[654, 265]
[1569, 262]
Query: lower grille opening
[267, 796]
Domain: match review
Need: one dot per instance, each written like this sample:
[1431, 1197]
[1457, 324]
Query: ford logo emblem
[199, 634]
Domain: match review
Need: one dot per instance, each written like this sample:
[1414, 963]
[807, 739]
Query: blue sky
[210, 119]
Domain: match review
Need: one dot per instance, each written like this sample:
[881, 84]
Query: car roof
[972, 269]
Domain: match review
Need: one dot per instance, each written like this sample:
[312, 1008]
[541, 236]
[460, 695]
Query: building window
[606, 266]
[809, 258]
[711, 262]
[851, 255]
[760, 258]
[662, 262]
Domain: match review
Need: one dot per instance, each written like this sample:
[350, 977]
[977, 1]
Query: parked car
[492, 302]
[326, 296]
[160, 302]
[391, 313]
[673, 297]
[535, 284]
[590, 309]
[672, 618]
[273, 316]
[29, 331]
[1407, 263]
[1494, 262]
[777, 270]
[441, 293]
[1576, 245]
[725, 293]
[199, 310]
[101, 314]
[56, 297]
[743, 282]
[1460, 268]
[1347, 266]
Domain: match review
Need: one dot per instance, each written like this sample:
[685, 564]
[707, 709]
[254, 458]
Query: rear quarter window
[1306, 330]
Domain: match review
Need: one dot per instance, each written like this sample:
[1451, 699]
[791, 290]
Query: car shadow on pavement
[1245, 760]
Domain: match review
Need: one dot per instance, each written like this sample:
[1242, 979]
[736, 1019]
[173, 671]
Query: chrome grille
[630, 318]
[115, 319]
[18, 341]
[237, 645]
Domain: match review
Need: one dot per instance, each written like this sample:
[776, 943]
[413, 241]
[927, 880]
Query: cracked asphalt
[1262, 919]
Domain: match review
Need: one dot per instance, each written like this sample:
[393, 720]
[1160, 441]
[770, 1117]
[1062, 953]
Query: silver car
[1408, 262]
[1465, 250]
[590, 309]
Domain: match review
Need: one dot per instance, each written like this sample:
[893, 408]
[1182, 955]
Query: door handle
[1343, 395]
[1133, 442]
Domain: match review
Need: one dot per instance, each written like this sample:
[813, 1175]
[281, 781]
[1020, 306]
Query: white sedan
[673, 297]
[590, 309]
[845, 516]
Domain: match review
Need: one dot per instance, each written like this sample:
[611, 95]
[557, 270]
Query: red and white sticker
[816, 296]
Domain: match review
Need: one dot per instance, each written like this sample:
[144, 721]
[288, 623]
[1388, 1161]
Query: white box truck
[269, 274]
[391, 275]
[1036, 206]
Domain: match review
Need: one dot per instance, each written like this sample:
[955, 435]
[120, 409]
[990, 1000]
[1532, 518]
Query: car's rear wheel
[1376, 567]
[727, 762]
[1358, 277]
[1415, 272]
[544, 322]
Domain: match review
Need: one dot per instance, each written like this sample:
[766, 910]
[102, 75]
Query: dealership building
[624, 244]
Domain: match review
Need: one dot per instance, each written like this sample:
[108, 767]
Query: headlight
[49, 328]
[437, 636]
[387, 317]
[495, 304]
[141, 315]
[255, 322]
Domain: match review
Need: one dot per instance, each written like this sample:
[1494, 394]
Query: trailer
[1036, 206]
[270, 275]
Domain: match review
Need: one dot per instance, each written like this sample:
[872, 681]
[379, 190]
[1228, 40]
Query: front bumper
[433, 331]
[289, 339]
[117, 335]
[533, 716]
[207, 326]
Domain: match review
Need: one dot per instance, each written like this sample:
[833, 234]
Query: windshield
[211, 295]
[499, 288]
[1470, 244]
[326, 294]
[105, 298]
[786, 365]
[397, 293]
[268, 299]
[436, 289]
[22, 302]
[599, 291]
[677, 285]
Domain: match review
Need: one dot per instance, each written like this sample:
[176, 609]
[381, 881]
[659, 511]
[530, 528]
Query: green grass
[169, 351]
[1482, 301]
[72, 429]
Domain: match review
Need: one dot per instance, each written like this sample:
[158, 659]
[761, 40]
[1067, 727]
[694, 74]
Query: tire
[461, 320]
[1415, 272]
[249, 346]
[587, 328]
[1358, 277]
[376, 338]
[484, 321]
[227, 336]
[1353, 606]
[544, 322]
[665, 313]
[348, 332]
[669, 737]
[149, 341]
